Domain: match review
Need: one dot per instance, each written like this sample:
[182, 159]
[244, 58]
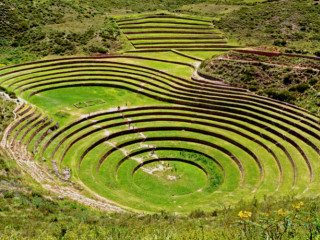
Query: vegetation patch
[293, 25]
[289, 79]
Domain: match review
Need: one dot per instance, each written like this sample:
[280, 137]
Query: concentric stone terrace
[161, 137]
[160, 33]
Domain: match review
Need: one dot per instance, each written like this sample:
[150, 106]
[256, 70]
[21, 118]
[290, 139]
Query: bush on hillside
[301, 87]
[284, 95]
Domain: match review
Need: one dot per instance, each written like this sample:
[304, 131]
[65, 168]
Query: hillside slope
[293, 25]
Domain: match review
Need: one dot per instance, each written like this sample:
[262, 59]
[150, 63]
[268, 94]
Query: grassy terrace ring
[159, 136]
[163, 32]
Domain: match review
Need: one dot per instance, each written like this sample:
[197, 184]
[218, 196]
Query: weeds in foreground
[280, 224]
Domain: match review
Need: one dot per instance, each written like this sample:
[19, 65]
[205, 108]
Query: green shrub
[36, 194]
[301, 87]
[95, 48]
[287, 79]
[280, 43]
[313, 81]
[8, 194]
[61, 114]
[198, 213]
[57, 49]
[11, 94]
[284, 95]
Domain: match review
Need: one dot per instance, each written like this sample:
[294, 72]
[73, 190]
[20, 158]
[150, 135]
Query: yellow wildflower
[297, 206]
[309, 219]
[266, 214]
[282, 212]
[244, 214]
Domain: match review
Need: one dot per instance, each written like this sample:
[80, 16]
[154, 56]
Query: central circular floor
[171, 178]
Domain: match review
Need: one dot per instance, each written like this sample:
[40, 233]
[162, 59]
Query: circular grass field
[150, 137]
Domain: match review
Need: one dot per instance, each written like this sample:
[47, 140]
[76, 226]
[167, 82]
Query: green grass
[209, 127]
[190, 179]
[231, 126]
